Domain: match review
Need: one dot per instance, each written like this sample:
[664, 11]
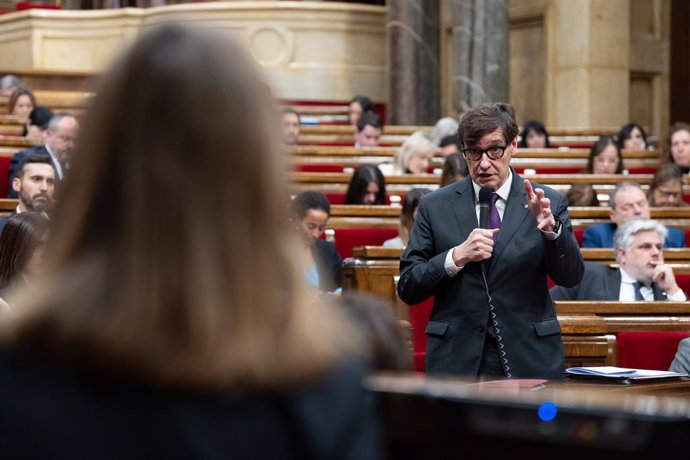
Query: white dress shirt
[56, 162]
[627, 291]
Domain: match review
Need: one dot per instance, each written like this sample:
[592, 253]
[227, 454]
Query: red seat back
[683, 280]
[419, 317]
[648, 350]
[320, 168]
[348, 238]
[4, 173]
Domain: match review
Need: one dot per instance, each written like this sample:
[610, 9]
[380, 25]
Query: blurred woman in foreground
[173, 320]
[22, 242]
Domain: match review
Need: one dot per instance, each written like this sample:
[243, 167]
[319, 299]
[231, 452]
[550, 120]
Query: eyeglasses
[494, 152]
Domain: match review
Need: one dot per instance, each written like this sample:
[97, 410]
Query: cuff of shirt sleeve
[679, 296]
[449, 265]
[552, 235]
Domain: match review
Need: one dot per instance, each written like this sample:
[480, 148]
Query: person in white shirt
[641, 273]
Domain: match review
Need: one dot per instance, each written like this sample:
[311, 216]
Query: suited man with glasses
[492, 314]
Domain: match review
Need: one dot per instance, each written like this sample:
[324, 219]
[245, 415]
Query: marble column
[480, 64]
[413, 62]
[587, 63]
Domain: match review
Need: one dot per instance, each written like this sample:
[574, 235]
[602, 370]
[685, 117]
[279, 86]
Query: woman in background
[605, 157]
[22, 242]
[179, 328]
[454, 169]
[21, 103]
[367, 186]
[407, 215]
[631, 137]
[358, 105]
[677, 147]
[321, 261]
[534, 136]
[414, 155]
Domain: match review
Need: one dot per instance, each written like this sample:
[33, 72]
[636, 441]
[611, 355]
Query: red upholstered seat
[318, 168]
[335, 198]
[21, 6]
[4, 171]
[683, 280]
[348, 238]
[648, 350]
[686, 198]
[687, 238]
[419, 316]
[643, 170]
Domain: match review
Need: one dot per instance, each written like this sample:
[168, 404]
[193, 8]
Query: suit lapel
[464, 209]
[516, 212]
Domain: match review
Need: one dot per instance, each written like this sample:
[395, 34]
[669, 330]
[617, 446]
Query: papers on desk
[620, 374]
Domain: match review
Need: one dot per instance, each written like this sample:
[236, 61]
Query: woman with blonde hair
[172, 320]
[414, 155]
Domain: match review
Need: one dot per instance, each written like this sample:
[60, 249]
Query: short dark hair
[487, 118]
[31, 159]
[369, 118]
[310, 200]
[40, 117]
[598, 147]
[20, 236]
[363, 102]
[363, 175]
[536, 126]
[451, 139]
[626, 132]
[666, 173]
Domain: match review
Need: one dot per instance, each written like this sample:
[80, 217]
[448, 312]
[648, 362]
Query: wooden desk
[435, 418]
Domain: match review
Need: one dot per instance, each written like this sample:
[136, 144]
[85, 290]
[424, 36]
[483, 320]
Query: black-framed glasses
[494, 152]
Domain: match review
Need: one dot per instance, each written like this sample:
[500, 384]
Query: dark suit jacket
[18, 157]
[600, 282]
[48, 411]
[516, 277]
[601, 236]
[328, 264]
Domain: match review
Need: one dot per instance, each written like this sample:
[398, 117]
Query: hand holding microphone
[480, 244]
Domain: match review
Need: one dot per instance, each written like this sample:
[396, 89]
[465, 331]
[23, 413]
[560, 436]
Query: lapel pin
[526, 205]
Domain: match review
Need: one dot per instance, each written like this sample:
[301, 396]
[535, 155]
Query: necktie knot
[494, 198]
[638, 292]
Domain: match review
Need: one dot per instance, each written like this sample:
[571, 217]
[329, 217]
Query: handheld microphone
[484, 203]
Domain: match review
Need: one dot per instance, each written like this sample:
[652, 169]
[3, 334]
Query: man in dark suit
[506, 327]
[641, 275]
[60, 138]
[35, 185]
[627, 202]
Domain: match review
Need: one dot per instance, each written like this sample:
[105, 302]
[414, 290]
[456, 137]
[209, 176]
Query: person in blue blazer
[628, 202]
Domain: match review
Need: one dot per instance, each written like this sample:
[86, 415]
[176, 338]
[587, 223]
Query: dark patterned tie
[494, 217]
[638, 292]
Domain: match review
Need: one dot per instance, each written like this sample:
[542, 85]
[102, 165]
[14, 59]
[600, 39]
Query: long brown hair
[172, 255]
[16, 94]
[666, 156]
[20, 236]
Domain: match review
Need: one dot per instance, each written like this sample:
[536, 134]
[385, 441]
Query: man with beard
[59, 138]
[34, 184]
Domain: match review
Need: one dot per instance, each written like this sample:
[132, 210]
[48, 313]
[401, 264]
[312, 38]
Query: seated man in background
[290, 121]
[369, 128]
[60, 138]
[34, 184]
[628, 202]
[8, 84]
[642, 274]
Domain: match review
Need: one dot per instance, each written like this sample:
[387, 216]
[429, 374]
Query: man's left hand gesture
[540, 207]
